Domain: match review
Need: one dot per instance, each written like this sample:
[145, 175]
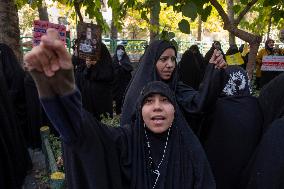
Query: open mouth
[158, 119]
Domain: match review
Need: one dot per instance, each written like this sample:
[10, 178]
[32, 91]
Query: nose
[157, 106]
[171, 63]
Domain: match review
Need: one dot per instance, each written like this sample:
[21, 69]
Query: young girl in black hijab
[159, 64]
[157, 151]
[122, 71]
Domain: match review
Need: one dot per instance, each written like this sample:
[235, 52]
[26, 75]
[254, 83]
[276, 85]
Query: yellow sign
[234, 59]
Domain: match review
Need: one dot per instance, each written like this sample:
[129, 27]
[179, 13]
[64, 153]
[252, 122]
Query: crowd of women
[192, 124]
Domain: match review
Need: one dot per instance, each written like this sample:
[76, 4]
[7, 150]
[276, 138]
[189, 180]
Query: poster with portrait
[40, 28]
[89, 41]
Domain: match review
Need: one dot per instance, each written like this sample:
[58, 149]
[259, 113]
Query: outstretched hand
[218, 59]
[50, 56]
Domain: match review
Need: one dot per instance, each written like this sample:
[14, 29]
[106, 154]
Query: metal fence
[135, 48]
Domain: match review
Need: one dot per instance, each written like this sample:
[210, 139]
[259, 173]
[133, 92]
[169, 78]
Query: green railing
[57, 178]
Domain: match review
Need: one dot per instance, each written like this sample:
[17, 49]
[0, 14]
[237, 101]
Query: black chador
[130, 156]
[266, 169]
[191, 102]
[232, 129]
[15, 160]
[95, 84]
[190, 70]
[215, 45]
[122, 70]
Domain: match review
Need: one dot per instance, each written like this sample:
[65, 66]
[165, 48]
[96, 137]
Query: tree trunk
[252, 57]
[9, 27]
[199, 31]
[154, 19]
[42, 10]
[252, 39]
[77, 7]
[230, 4]
[113, 31]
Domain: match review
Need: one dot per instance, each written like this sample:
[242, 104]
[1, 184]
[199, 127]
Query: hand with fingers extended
[50, 66]
[218, 59]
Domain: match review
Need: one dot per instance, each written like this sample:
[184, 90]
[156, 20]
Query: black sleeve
[196, 102]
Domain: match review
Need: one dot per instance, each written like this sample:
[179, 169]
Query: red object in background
[40, 28]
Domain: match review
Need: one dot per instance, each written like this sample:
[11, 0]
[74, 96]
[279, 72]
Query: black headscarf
[232, 130]
[236, 82]
[122, 71]
[145, 73]
[233, 49]
[190, 70]
[209, 54]
[267, 47]
[185, 165]
[118, 157]
[271, 99]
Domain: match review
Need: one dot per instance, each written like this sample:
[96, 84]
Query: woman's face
[158, 113]
[166, 64]
[270, 44]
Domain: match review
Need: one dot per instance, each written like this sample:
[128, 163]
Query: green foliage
[55, 145]
[189, 10]
[268, 3]
[206, 13]
[236, 8]
[168, 36]
[244, 2]
[107, 120]
[184, 26]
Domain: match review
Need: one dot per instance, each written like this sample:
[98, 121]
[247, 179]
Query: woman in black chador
[215, 45]
[15, 160]
[95, 83]
[122, 70]
[266, 169]
[158, 150]
[190, 70]
[232, 129]
[159, 64]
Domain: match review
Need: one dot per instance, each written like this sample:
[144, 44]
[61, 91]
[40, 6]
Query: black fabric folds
[209, 53]
[192, 103]
[190, 71]
[117, 158]
[15, 160]
[122, 71]
[271, 100]
[231, 131]
[266, 166]
[145, 73]
[95, 84]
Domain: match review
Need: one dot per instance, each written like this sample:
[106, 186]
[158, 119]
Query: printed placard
[89, 41]
[272, 63]
[40, 28]
[235, 59]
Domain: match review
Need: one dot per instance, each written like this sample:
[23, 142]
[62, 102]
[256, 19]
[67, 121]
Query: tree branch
[221, 11]
[244, 11]
[77, 10]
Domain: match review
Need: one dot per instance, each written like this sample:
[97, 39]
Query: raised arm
[52, 70]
